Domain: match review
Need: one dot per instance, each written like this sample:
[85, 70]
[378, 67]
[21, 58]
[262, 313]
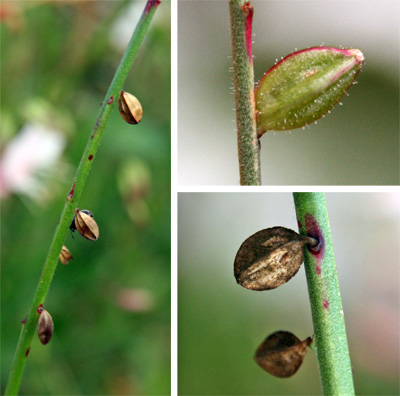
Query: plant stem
[330, 341]
[28, 329]
[241, 16]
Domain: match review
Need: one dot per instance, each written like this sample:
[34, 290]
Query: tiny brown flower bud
[65, 256]
[130, 108]
[86, 225]
[270, 258]
[45, 327]
[281, 353]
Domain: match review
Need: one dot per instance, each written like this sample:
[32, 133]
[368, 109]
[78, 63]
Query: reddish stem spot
[248, 9]
[24, 321]
[40, 309]
[110, 100]
[90, 157]
[71, 193]
[299, 224]
[27, 352]
[313, 231]
[318, 269]
[326, 304]
[150, 4]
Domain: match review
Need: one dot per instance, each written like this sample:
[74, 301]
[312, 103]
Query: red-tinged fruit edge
[304, 86]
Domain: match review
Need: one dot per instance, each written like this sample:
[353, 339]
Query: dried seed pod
[85, 224]
[45, 327]
[270, 258]
[65, 255]
[72, 227]
[281, 353]
[130, 108]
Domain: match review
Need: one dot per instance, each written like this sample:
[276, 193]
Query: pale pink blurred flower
[29, 159]
[135, 300]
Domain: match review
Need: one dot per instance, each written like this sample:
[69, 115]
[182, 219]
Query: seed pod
[65, 255]
[270, 258]
[72, 227]
[281, 353]
[304, 86]
[45, 327]
[130, 108]
[85, 224]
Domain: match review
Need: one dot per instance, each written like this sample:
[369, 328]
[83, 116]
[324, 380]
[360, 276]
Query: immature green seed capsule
[282, 353]
[130, 108]
[65, 255]
[45, 327]
[86, 226]
[304, 86]
[270, 258]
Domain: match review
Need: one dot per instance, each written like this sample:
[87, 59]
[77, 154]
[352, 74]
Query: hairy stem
[29, 327]
[241, 16]
[330, 341]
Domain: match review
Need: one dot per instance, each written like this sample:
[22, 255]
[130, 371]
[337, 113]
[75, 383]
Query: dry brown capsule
[65, 255]
[86, 225]
[45, 327]
[130, 108]
[281, 353]
[270, 258]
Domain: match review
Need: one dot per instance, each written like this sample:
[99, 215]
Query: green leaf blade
[304, 86]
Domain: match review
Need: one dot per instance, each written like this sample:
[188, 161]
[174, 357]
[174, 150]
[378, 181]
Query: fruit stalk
[241, 17]
[330, 341]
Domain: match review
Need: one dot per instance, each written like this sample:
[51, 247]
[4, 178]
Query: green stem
[28, 329]
[330, 341]
[241, 16]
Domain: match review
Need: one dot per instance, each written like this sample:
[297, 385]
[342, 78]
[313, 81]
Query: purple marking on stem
[27, 352]
[313, 231]
[40, 309]
[326, 304]
[299, 224]
[150, 4]
[248, 9]
[90, 157]
[318, 269]
[24, 321]
[71, 193]
[110, 100]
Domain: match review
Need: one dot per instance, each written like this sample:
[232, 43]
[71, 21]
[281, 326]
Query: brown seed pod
[86, 225]
[270, 258]
[65, 255]
[281, 353]
[45, 327]
[130, 108]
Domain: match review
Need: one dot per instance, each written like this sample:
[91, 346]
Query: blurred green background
[111, 304]
[357, 144]
[221, 324]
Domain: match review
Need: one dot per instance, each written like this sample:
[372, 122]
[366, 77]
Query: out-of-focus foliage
[111, 304]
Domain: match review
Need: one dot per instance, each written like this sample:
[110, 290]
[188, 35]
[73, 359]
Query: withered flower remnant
[282, 353]
[65, 255]
[45, 327]
[130, 108]
[85, 224]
